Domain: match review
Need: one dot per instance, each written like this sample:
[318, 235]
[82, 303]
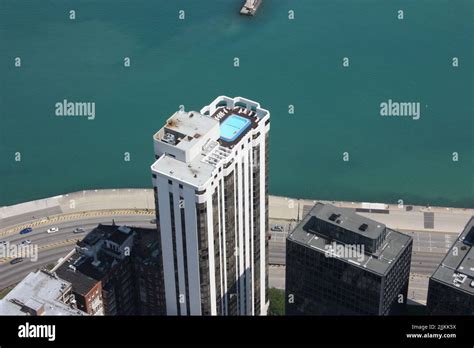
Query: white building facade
[211, 195]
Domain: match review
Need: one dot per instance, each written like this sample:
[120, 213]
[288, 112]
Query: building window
[154, 176]
[170, 182]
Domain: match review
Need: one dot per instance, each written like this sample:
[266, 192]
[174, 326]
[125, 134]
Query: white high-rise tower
[211, 193]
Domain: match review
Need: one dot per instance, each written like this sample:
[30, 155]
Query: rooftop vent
[469, 239]
[459, 278]
[334, 217]
[125, 229]
[169, 139]
[363, 227]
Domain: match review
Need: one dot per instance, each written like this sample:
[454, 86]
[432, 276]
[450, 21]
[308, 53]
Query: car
[26, 230]
[52, 230]
[26, 242]
[278, 228]
[17, 260]
[79, 230]
[3, 242]
[153, 221]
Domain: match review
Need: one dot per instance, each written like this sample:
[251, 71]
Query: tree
[277, 301]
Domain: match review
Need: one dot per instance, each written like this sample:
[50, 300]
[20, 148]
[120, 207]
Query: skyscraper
[451, 287]
[341, 263]
[211, 196]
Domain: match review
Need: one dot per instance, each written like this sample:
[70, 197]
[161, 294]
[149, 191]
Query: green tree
[277, 301]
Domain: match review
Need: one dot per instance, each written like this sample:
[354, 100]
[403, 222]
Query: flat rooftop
[36, 290]
[196, 173]
[186, 129]
[380, 262]
[457, 268]
[350, 220]
[81, 280]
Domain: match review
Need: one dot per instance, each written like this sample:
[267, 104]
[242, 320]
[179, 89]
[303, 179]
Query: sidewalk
[418, 218]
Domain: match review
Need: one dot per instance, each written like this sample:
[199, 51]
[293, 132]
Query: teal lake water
[282, 62]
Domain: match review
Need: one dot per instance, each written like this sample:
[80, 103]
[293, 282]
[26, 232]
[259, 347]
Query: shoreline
[407, 217]
[295, 198]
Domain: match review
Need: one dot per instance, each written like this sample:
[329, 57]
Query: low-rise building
[40, 293]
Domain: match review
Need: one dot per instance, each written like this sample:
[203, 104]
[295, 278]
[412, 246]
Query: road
[428, 248]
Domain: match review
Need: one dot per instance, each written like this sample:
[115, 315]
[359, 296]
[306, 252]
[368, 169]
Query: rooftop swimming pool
[232, 127]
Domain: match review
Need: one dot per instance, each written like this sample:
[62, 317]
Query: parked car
[278, 228]
[17, 260]
[26, 242]
[26, 230]
[153, 221]
[52, 230]
[79, 230]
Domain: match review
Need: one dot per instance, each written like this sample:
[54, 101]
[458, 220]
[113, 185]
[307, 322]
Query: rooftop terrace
[192, 144]
[234, 123]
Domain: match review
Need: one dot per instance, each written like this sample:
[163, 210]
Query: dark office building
[341, 263]
[451, 287]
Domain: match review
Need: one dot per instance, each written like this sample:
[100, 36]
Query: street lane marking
[76, 216]
[46, 247]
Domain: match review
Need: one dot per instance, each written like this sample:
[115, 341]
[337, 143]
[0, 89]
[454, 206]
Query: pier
[250, 7]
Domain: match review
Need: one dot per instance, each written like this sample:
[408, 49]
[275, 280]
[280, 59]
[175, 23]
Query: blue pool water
[232, 127]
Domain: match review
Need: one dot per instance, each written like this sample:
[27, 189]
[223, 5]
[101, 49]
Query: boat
[250, 7]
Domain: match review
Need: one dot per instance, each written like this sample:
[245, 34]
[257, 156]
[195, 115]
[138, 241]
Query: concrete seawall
[410, 218]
